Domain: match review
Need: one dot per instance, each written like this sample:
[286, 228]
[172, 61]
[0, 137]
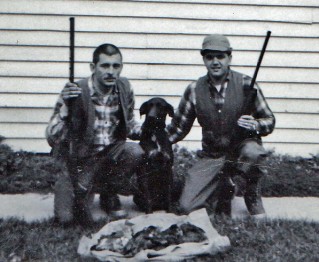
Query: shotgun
[251, 93]
[248, 106]
[71, 68]
[260, 59]
[71, 79]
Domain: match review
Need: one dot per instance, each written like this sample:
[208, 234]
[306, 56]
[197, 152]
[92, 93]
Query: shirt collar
[224, 84]
[90, 84]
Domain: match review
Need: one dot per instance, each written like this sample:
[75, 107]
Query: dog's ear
[170, 109]
[144, 108]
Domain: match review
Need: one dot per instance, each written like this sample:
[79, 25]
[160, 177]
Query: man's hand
[70, 90]
[248, 122]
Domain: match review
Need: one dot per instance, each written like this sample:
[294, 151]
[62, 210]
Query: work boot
[223, 207]
[81, 209]
[227, 193]
[110, 203]
[253, 197]
[82, 212]
[63, 200]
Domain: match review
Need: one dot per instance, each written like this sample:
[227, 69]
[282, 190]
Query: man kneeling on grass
[88, 131]
[232, 127]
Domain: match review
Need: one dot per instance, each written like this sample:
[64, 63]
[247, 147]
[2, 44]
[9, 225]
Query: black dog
[157, 183]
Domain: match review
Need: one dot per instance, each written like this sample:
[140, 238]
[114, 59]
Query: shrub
[10, 161]
[287, 176]
[22, 172]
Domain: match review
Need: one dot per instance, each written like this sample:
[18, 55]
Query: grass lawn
[268, 240]
[251, 240]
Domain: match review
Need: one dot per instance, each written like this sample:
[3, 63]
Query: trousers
[203, 182]
[108, 172]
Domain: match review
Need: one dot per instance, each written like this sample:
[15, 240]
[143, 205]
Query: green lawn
[275, 240]
[265, 240]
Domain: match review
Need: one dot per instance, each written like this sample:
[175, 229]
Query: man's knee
[184, 207]
[251, 150]
[250, 155]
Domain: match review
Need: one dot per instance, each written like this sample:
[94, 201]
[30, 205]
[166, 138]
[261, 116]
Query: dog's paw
[154, 153]
[159, 157]
[166, 157]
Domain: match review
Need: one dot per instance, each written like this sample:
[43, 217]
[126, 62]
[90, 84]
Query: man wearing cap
[233, 117]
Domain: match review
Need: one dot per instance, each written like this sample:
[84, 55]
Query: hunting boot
[253, 197]
[227, 190]
[110, 203]
[227, 193]
[63, 199]
[82, 212]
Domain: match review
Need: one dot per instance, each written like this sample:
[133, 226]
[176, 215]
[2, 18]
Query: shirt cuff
[257, 128]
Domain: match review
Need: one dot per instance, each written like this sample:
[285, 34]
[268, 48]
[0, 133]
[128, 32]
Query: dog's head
[156, 110]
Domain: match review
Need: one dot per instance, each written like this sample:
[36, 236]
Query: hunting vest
[220, 132]
[80, 138]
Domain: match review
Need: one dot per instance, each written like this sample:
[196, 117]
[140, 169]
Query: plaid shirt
[106, 124]
[186, 113]
[107, 117]
[218, 95]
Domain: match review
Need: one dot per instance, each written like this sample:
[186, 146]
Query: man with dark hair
[88, 131]
[233, 116]
[107, 49]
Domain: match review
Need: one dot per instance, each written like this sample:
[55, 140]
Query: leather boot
[82, 212]
[110, 203]
[227, 193]
[63, 199]
[253, 197]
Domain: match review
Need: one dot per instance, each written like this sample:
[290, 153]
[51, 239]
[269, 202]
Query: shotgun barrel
[71, 79]
[71, 72]
[249, 92]
[260, 59]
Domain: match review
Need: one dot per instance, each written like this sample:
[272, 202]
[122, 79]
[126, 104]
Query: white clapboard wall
[160, 41]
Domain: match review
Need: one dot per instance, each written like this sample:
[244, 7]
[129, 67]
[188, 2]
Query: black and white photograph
[159, 130]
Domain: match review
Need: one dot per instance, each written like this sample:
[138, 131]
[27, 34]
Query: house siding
[160, 41]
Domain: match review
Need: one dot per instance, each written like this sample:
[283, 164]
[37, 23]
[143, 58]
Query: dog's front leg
[144, 181]
[170, 189]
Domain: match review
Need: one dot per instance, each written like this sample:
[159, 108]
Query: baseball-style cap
[215, 42]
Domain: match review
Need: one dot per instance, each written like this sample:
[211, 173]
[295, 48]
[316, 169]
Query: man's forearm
[179, 128]
[264, 116]
[56, 129]
[266, 125]
[184, 117]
